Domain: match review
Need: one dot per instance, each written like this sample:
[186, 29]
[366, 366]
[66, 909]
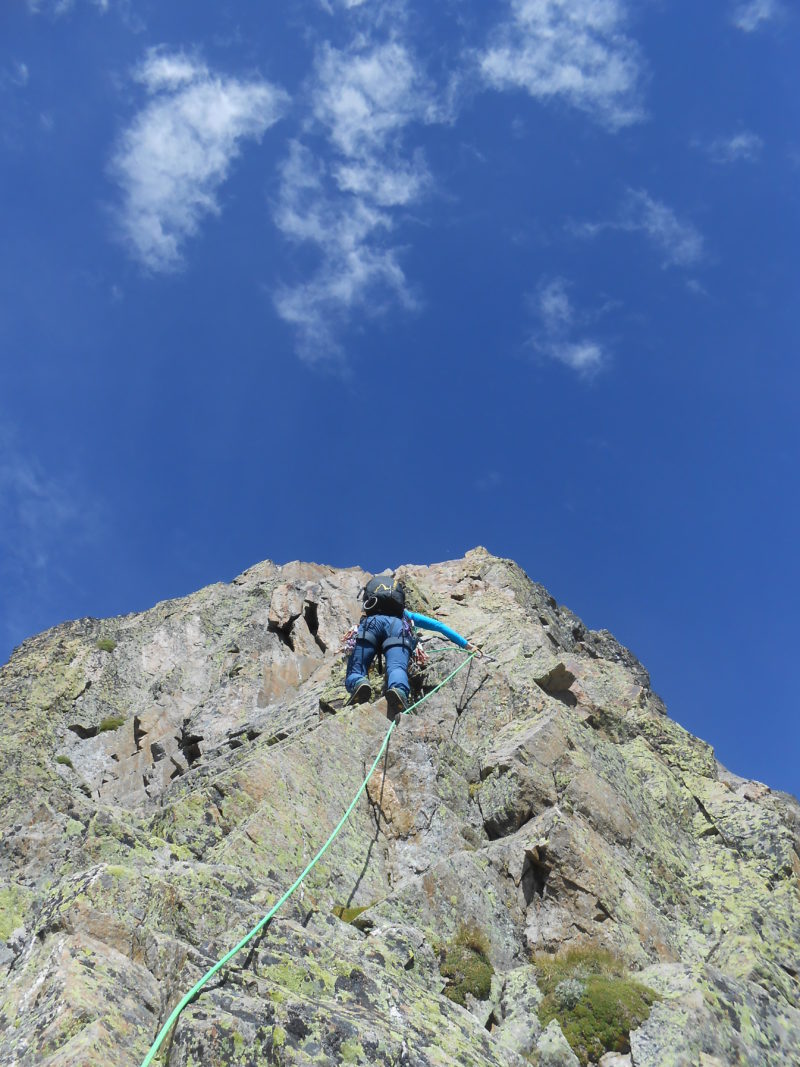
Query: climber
[387, 627]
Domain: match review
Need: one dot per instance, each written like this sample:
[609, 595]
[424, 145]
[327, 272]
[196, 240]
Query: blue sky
[375, 281]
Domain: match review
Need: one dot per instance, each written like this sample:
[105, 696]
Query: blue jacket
[438, 627]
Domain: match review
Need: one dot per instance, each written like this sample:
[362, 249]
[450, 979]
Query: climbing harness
[176, 1011]
[418, 657]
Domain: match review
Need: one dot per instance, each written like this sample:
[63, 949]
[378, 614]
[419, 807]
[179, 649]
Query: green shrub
[472, 937]
[466, 964]
[596, 1002]
[106, 644]
[113, 722]
[65, 761]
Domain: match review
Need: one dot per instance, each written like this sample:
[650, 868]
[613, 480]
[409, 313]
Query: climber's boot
[396, 702]
[362, 694]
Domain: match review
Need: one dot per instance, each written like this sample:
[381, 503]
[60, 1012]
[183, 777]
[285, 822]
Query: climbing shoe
[396, 702]
[362, 694]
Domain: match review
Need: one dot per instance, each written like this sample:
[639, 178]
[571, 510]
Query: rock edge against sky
[166, 775]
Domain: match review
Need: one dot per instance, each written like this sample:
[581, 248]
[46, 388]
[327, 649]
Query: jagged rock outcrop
[165, 776]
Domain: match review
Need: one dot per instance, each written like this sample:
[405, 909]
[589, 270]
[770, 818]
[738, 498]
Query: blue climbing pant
[374, 633]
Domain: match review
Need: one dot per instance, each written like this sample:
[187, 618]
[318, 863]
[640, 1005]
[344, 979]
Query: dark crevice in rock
[77, 696]
[178, 769]
[311, 615]
[703, 810]
[603, 914]
[189, 744]
[284, 632]
[565, 697]
[248, 733]
[556, 683]
[138, 732]
[713, 829]
[83, 732]
[535, 873]
[493, 831]
[157, 751]
[462, 704]
[218, 802]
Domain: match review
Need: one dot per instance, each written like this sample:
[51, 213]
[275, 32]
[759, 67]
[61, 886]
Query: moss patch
[348, 915]
[65, 761]
[594, 999]
[14, 902]
[106, 644]
[113, 722]
[466, 964]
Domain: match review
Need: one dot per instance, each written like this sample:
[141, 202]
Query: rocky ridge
[166, 775]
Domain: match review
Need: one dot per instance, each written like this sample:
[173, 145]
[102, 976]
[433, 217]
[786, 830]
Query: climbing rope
[263, 922]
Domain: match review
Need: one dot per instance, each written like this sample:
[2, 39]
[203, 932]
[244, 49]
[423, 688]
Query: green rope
[263, 922]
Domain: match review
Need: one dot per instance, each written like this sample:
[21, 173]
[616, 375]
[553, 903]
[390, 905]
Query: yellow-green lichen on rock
[541, 858]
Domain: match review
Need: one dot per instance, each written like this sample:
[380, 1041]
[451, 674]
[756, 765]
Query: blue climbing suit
[393, 637]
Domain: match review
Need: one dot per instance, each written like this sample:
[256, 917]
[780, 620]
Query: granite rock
[167, 775]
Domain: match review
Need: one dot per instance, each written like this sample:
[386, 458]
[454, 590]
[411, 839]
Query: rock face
[166, 776]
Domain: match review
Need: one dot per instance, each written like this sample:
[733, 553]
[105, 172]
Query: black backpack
[384, 595]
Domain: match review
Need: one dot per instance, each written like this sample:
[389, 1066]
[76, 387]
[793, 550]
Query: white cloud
[573, 49]
[740, 147]
[558, 322]
[680, 243]
[364, 99]
[179, 150]
[749, 14]
[372, 12]
[356, 263]
[61, 7]
[347, 4]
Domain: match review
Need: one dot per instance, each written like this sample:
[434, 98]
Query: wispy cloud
[358, 267]
[741, 147]
[179, 150]
[348, 5]
[558, 327]
[61, 7]
[680, 243]
[43, 518]
[748, 15]
[572, 49]
[17, 75]
[363, 100]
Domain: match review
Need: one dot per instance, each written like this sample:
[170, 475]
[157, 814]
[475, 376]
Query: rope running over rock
[298, 881]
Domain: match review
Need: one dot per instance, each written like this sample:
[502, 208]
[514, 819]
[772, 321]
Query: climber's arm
[426, 623]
